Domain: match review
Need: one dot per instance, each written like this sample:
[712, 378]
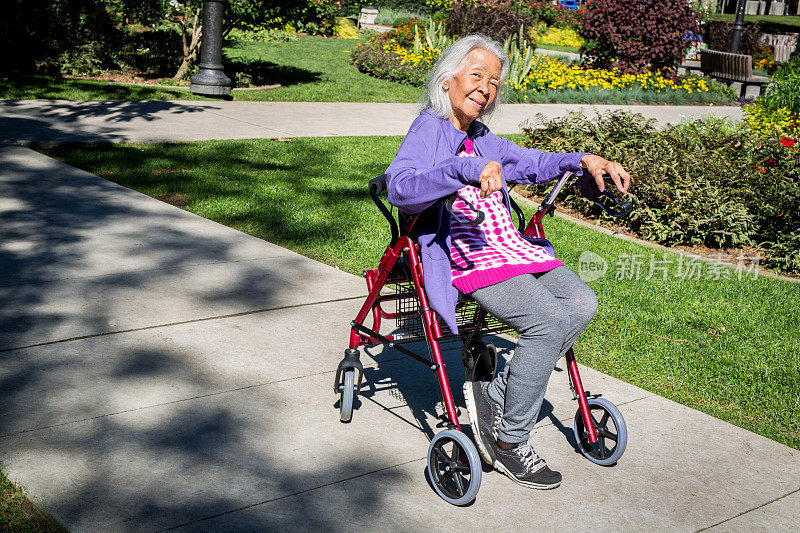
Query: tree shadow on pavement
[150, 429]
[415, 387]
[62, 121]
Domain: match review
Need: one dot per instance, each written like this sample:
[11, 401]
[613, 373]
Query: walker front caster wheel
[347, 393]
[454, 467]
[612, 433]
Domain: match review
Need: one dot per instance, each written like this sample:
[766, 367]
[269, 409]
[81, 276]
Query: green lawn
[632, 96]
[17, 513]
[727, 347]
[312, 69]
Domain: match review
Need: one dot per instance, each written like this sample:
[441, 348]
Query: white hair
[450, 63]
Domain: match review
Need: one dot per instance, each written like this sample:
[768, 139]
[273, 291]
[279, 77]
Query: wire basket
[409, 319]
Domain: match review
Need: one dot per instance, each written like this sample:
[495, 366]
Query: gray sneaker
[524, 466]
[484, 416]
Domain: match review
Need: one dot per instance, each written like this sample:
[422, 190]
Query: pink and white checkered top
[493, 251]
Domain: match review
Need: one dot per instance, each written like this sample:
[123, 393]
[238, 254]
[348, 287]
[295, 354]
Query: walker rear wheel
[454, 467]
[347, 393]
[480, 361]
[612, 433]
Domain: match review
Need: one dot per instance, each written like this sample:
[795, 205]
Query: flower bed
[777, 110]
[385, 57]
[382, 57]
[560, 37]
[548, 74]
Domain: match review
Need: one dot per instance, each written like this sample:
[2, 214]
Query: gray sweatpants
[549, 311]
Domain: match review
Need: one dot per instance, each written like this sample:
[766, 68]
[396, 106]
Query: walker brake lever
[479, 215]
[605, 200]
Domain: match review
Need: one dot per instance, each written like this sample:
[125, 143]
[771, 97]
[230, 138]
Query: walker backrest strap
[518, 211]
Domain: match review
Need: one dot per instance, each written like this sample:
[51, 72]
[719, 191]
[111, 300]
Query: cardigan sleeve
[416, 180]
[528, 165]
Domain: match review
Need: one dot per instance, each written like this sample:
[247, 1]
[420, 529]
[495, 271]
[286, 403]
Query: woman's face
[474, 87]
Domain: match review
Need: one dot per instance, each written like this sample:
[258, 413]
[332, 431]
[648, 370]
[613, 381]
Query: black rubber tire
[347, 394]
[602, 454]
[480, 361]
[454, 467]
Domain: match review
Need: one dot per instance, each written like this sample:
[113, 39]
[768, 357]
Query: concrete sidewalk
[45, 121]
[163, 371]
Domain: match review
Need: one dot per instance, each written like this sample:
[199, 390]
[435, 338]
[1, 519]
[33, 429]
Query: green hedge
[702, 182]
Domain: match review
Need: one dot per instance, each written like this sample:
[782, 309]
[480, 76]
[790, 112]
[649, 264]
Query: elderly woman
[447, 150]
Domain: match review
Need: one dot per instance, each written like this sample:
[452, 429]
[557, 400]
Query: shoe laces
[498, 417]
[528, 457]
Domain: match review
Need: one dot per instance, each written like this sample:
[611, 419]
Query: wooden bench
[730, 68]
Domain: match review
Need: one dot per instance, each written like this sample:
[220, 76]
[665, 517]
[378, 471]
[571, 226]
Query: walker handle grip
[479, 215]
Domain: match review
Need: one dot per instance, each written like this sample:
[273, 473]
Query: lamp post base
[210, 90]
[210, 80]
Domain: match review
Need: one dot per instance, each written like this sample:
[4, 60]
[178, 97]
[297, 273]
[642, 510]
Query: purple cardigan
[426, 169]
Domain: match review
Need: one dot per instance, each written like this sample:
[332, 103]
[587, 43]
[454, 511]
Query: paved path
[60, 121]
[162, 371]
[558, 53]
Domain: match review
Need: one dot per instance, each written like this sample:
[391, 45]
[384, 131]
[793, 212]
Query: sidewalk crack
[285, 133]
[181, 400]
[749, 510]
[567, 419]
[180, 323]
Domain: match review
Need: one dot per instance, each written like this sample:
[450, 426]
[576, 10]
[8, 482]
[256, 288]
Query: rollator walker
[453, 463]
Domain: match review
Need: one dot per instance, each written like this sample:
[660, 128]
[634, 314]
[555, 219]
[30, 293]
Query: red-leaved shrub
[493, 18]
[634, 35]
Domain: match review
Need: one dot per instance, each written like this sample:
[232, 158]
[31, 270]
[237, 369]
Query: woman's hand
[490, 179]
[597, 166]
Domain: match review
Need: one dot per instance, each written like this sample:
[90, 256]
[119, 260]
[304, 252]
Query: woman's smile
[477, 103]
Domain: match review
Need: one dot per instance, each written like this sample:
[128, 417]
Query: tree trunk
[190, 47]
[182, 70]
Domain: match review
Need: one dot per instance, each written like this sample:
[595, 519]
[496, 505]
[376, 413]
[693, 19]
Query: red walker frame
[401, 263]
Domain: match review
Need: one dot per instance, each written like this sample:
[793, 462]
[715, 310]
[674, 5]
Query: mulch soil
[133, 78]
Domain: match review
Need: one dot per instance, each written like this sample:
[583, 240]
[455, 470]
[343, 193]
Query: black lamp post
[210, 80]
[738, 27]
